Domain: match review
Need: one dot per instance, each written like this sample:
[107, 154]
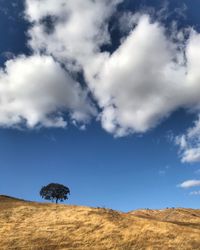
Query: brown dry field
[30, 225]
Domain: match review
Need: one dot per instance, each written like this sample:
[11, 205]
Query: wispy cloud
[197, 171]
[195, 193]
[189, 143]
[163, 172]
[190, 184]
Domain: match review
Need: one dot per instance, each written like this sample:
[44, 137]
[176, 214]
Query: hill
[30, 225]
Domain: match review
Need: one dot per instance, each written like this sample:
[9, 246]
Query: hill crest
[32, 225]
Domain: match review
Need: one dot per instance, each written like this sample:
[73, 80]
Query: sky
[103, 97]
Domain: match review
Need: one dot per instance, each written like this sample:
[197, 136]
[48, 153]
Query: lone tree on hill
[54, 192]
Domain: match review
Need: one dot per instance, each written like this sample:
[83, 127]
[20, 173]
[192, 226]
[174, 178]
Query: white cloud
[190, 184]
[189, 144]
[37, 91]
[195, 193]
[142, 82]
[81, 27]
[146, 79]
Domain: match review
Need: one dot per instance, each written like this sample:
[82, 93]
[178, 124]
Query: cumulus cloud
[79, 28]
[190, 184]
[148, 77]
[150, 74]
[41, 89]
[37, 91]
[189, 144]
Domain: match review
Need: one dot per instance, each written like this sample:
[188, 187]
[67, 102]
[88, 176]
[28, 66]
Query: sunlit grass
[35, 226]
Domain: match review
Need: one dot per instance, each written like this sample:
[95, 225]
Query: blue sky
[112, 162]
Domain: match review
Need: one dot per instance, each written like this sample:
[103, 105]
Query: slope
[35, 226]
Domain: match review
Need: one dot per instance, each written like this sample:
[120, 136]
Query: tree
[54, 191]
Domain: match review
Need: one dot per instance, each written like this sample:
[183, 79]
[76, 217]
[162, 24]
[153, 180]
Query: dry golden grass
[35, 226]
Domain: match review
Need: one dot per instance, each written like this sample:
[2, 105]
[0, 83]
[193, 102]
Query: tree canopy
[55, 192]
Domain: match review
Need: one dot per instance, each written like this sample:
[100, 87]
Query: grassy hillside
[29, 225]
